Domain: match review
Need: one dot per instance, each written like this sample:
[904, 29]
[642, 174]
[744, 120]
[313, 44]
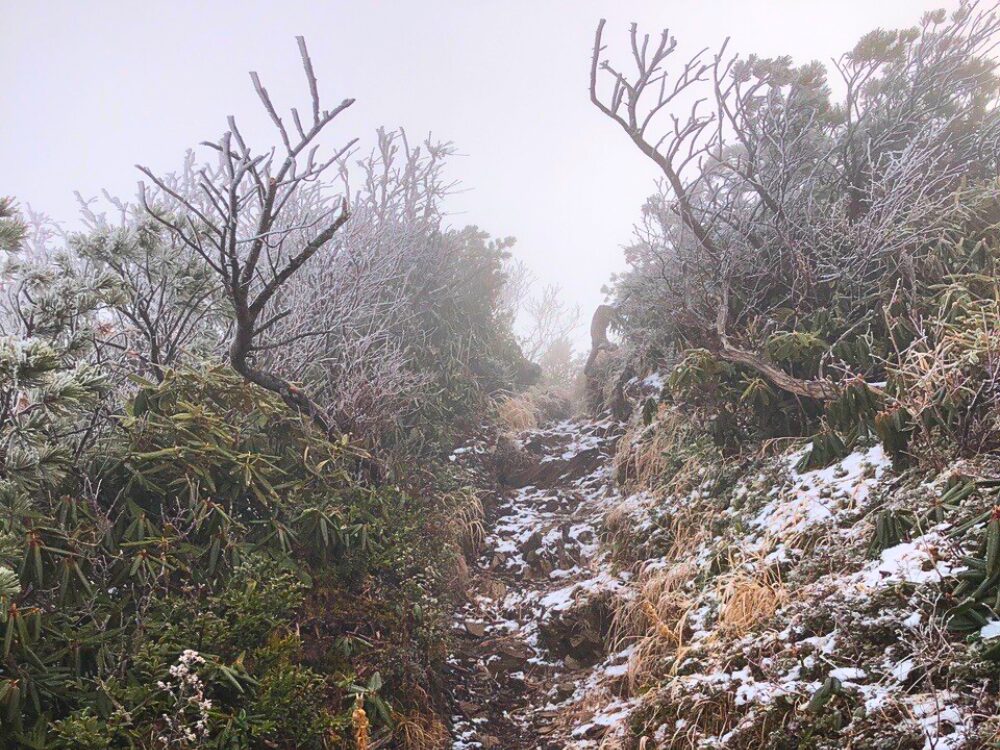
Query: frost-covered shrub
[798, 247]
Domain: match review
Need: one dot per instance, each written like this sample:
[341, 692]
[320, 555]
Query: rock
[578, 634]
[495, 590]
[553, 504]
[565, 689]
[507, 654]
[505, 696]
[516, 649]
[469, 709]
[553, 406]
[532, 543]
[539, 464]
[511, 462]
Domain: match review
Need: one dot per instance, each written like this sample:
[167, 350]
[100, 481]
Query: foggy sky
[90, 88]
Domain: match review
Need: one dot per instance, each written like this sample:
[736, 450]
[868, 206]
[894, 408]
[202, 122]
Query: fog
[90, 89]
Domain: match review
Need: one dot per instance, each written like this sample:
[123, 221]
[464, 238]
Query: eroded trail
[534, 667]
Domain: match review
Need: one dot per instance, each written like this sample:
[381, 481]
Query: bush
[781, 269]
[210, 524]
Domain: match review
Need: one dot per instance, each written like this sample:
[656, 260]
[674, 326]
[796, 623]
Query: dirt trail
[533, 667]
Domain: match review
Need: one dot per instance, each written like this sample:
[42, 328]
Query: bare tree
[404, 310]
[256, 219]
[517, 289]
[352, 322]
[548, 320]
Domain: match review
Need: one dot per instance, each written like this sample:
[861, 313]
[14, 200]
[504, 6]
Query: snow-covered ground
[773, 604]
[544, 579]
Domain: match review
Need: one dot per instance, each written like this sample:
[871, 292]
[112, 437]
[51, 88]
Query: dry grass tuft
[656, 457]
[465, 517]
[612, 742]
[688, 529]
[654, 621]
[748, 599]
[641, 458]
[418, 731]
[620, 527]
[617, 521]
[461, 518]
[518, 413]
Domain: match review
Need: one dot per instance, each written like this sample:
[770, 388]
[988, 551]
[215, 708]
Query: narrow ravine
[534, 666]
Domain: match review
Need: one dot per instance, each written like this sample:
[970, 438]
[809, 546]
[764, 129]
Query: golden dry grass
[612, 743]
[465, 517]
[688, 529]
[619, 525]
[748, 599]
[654, 621]
[617, 520]
[640, 456]
[463, 521]
[517, 413]
[418, 731]
[646, 457]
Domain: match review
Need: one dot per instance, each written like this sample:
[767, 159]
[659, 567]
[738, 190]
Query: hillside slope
[637, 589]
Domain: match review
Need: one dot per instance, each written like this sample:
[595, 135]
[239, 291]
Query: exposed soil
[532, 667]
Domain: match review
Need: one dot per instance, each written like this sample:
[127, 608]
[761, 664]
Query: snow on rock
[563, 598]
[547, 633]
[541, 562]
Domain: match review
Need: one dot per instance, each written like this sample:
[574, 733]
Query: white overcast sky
[90, 88]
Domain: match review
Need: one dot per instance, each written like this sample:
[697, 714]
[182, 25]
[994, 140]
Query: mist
[92, 89]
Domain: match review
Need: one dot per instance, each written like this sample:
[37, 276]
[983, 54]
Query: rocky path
[534, 667]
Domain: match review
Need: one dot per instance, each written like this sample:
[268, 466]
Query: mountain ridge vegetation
[288, 460]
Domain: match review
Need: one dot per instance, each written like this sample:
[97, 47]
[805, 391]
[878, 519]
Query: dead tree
[549, 320]
[604, 316]
[243, 217]
[687, 144]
